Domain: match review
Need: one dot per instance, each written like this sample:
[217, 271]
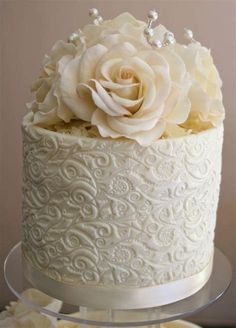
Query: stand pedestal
[214, 289]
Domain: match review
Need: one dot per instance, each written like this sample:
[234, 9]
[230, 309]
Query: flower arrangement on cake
[122, 166]
[130, 80]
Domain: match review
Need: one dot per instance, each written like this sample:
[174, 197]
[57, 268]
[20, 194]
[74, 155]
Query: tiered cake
[122, 166]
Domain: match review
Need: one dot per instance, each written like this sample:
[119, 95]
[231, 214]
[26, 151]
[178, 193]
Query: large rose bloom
[205, 94]
[48, 106]
[127, 89]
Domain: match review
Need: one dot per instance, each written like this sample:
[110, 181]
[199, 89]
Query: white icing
[101, 212]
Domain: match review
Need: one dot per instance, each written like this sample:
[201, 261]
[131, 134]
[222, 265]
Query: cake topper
[152, 15]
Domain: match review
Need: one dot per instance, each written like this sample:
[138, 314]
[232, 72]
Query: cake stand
[218, 283]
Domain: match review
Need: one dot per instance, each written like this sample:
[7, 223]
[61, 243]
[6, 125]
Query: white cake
[120, 188]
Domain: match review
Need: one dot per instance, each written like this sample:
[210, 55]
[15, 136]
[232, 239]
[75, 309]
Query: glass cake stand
[218, 283]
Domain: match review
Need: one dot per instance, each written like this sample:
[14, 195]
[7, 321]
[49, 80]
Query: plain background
[28, 30]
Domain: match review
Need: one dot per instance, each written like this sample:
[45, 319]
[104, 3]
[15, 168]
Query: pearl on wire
[188, 35]
[153, 15]
[94, 13]
[149, 32]
[74, 38]
[169, 38]
[157, 44]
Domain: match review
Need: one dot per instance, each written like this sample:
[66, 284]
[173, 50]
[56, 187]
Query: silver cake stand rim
[216, 286]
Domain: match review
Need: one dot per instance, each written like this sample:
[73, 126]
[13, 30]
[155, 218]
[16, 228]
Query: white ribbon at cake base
[118, 298]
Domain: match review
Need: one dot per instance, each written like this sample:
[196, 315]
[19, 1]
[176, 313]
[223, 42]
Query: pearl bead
[153, 15]
[169, 38]
[93, 12]
[188, 34]
[99, 19]
[73, 38]
[148, 32]
[157, 44]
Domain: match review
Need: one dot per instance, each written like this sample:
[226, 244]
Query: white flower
[48, 106]
[205, 94]
[35, 296]
[126, 89]
[30, 319]
[18, 314]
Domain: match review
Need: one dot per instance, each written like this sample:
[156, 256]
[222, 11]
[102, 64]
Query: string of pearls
[168, 39]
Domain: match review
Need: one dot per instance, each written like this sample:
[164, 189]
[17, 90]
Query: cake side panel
[97, 212]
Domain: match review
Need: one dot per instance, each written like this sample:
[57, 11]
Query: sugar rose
[127, 90]
[48, 106]
[205, 93]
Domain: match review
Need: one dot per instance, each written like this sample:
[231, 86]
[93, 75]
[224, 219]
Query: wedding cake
[122, 166]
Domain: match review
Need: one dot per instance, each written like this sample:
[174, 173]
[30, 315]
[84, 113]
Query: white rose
[18, 314]
[205, 93]
[29, 319]
[48, 105]
[127, 89]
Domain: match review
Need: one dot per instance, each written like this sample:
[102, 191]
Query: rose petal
[63, 111]
[123, 50]
[46, 117]
[116, 86]
[103, 100]
[62, 63]
[125, 17]
[179, 104]
[88, 62]
[129, 125]
[149, 93]
[104, 70]
[132, 105]
[49, 101]
[176, 64]
[139, 66]
[43, 88]
[175, 131]
[116, 108]
[60, 49]
[144, 138]
[209, 110]
[82, 107]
